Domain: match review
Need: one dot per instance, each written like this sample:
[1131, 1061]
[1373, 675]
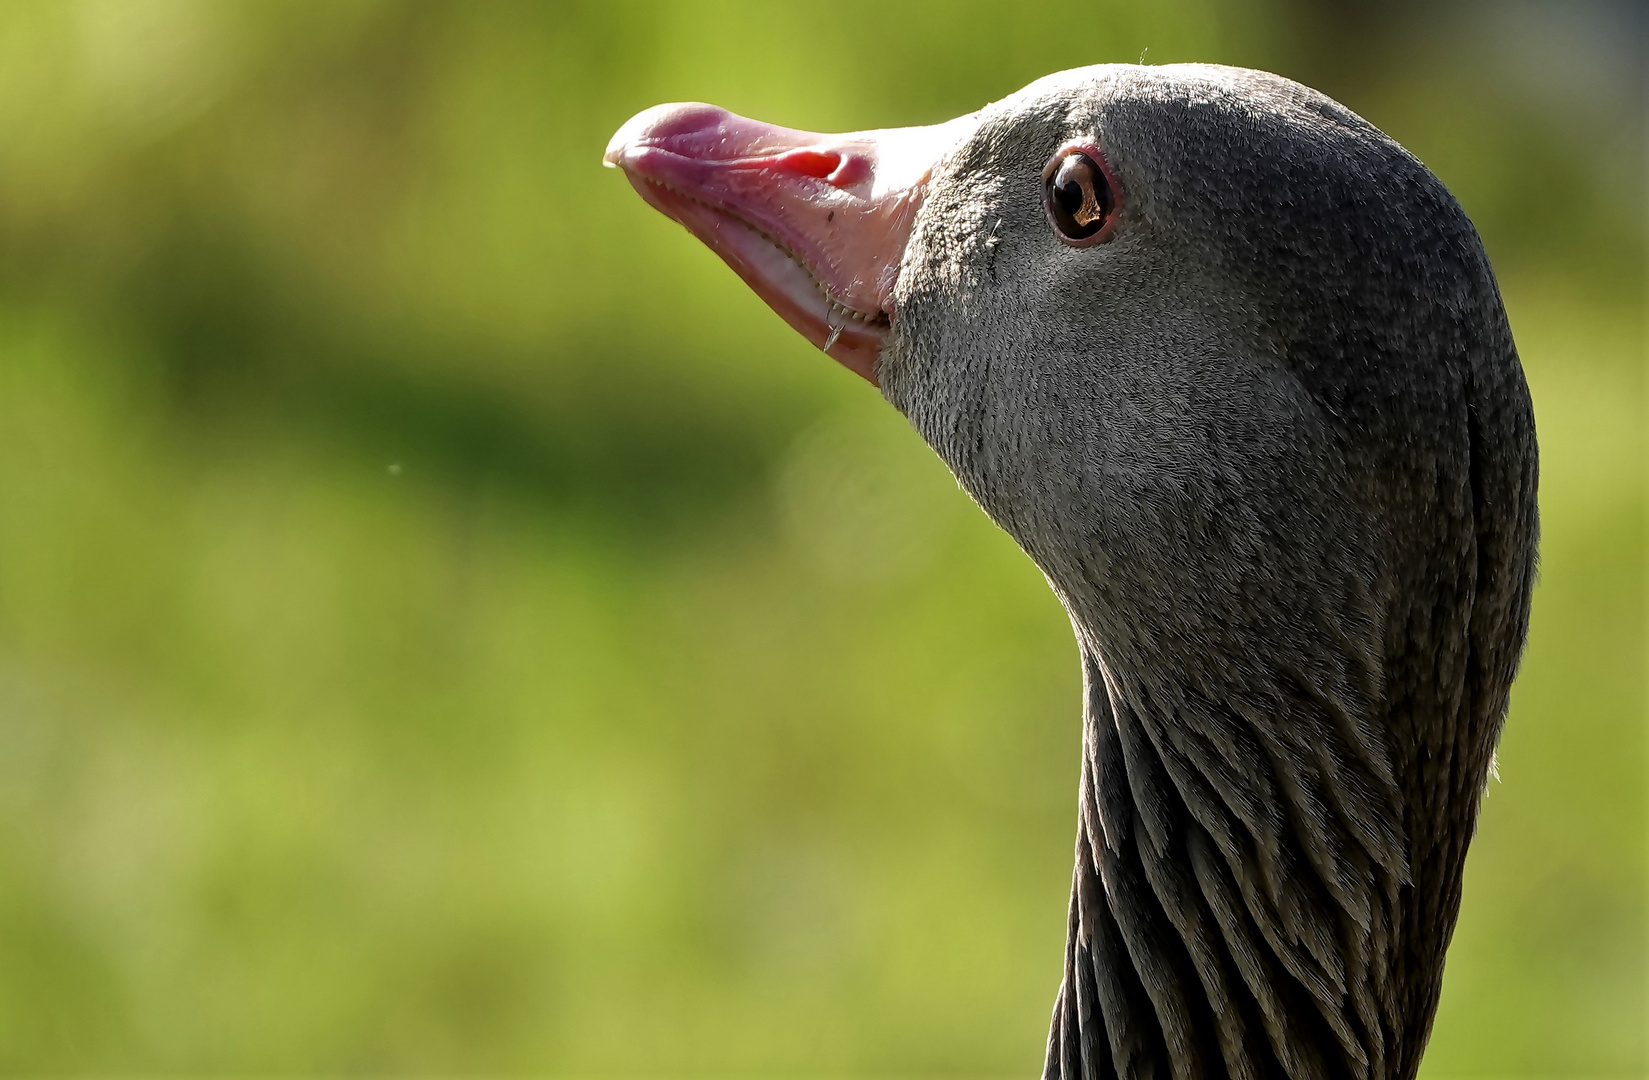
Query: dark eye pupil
[1069, 194]
[1079, 197]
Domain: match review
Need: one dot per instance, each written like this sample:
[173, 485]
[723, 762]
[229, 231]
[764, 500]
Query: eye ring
[1080, 195]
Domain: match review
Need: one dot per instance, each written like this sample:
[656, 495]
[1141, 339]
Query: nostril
[816, 163]
[853, 168]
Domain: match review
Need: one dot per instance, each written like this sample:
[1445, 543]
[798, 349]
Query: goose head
[1232, 368]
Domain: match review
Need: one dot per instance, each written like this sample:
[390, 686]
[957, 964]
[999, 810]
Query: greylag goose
[1232, 368]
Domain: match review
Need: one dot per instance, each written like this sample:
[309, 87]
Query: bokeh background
[448, 625]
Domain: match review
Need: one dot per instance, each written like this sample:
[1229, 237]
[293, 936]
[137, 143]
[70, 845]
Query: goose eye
[1079, 197]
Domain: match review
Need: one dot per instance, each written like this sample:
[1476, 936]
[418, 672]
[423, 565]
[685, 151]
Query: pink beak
[815, 224]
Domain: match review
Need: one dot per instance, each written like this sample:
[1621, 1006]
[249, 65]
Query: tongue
[815, 224]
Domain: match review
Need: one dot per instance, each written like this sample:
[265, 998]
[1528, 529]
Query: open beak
[815, 224]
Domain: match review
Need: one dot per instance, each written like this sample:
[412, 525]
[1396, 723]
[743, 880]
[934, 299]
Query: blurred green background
[448, 625]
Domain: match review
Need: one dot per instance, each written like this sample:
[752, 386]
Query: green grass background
[448, 625]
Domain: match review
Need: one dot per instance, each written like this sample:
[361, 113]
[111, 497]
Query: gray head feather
[1272, 446]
